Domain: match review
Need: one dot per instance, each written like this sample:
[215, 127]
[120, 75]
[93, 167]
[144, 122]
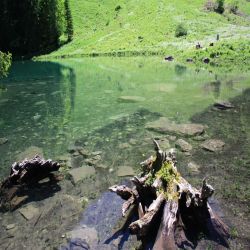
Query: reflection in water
[39, 102]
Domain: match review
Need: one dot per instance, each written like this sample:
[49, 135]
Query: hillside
[149, 27]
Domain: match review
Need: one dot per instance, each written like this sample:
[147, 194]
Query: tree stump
[22, 175]
[167, 204]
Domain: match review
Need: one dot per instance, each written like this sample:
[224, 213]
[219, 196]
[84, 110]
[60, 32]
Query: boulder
[223, 105]
[3, 140]
[29, 212]
[76, 161]
[212, 145]
[193, 168]
[81, 173]
[10, 226]
[164, 125]
[125, 171]
[183, 145]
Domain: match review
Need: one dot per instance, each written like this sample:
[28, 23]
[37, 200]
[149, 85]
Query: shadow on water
[38, 103]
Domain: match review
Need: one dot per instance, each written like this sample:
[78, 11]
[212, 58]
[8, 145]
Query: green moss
[169, 176]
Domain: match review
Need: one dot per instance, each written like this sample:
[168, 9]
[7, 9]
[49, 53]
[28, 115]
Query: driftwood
[22, 175]
[169, 208]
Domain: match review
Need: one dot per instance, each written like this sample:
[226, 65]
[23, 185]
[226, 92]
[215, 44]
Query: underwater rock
[223, 105]
[81, 173]
[36, 117]
[124, 145]
[193, 168]
[131, 99]
[163, 142]
[76, 161]
[164, 125]
[3, 140]
[10, 226]
[40, 103]
[85, 234]
[213, 145]
[29, 212]
[84, 152]
[30, 152]
[125, 171]
[183, 145]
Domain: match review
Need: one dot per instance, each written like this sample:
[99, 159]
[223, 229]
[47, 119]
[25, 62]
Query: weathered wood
[23, 174]
[142, 225]
[161, 191]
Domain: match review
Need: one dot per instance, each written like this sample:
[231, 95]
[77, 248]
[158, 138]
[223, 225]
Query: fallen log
[161, 192]
[22, 175]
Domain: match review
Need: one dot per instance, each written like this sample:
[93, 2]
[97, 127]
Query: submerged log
[161, 192]
[23, 174]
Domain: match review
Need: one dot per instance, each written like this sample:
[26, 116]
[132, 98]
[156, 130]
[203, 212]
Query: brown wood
[184, 210]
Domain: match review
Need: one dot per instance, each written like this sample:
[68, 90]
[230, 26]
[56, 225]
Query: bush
[217, 6]
[233, 7]
[5, 62]
[180, 31]
[220, 6]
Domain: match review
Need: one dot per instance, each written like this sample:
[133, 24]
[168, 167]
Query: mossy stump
[170, 212]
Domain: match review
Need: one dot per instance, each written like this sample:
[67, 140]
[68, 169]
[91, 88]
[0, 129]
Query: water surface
[101, 104]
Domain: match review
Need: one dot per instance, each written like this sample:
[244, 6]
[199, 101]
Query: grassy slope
[99, 28]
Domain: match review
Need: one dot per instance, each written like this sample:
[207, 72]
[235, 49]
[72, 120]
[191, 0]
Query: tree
[36, 31]
[69, 21]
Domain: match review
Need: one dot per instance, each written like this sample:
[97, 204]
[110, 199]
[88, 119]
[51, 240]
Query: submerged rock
[81, 173]
[164, 125]
[29, 212]
[223, 105]
[183, 145]
[163, 142]
[76, 161]
[193, 167]
[29, 153]
[131, 99]
[86, 236]
[125, 171]
[213, 145]
[10, 226]
[3, 140]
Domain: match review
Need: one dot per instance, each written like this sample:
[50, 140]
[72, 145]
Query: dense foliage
[5, 61]
[31, 26]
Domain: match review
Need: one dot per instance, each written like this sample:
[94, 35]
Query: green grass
[129, 27]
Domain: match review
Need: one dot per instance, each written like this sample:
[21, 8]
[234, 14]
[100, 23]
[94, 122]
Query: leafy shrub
[220, 6]
[233, 7]
[217, 6]
[180, 30]
[5, 62]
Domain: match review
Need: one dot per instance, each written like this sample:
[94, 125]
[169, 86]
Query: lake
[93, 113]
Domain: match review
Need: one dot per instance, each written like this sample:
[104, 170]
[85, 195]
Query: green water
[101, 104]
[51, 104]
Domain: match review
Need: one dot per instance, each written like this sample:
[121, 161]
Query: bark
[22, 175]
[184, 212]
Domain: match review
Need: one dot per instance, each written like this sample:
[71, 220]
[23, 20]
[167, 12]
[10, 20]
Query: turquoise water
[51, 104]
[101, 105]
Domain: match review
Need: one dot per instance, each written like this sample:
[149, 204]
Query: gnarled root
[183, 210]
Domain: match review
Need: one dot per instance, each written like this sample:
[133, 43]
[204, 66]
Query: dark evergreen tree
[69, 21]
[31, 26]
